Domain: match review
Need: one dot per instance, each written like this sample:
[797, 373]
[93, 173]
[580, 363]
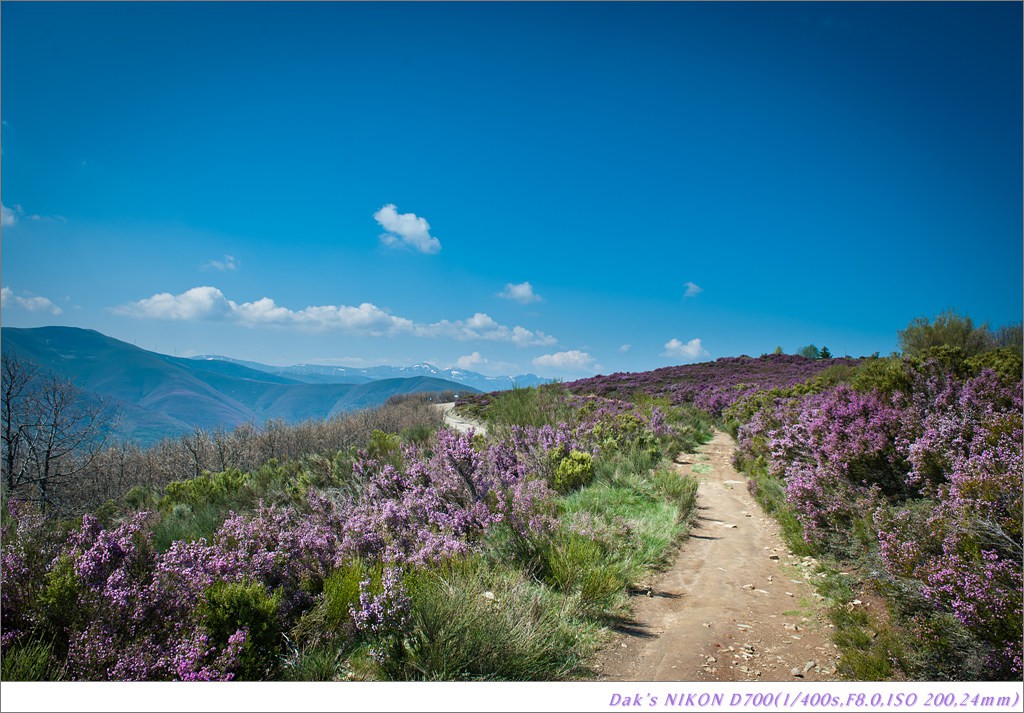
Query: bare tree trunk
[15, 403]
[63, 433]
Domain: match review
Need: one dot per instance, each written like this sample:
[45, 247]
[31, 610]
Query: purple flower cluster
[964, 443]
[126, 612]
[384, 619]
[934, 475]
[711, 386]
[838, 458]
[440, 505]
[129, 613]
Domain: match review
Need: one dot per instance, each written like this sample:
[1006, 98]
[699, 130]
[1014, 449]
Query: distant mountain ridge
[160, 396]
[316, 373]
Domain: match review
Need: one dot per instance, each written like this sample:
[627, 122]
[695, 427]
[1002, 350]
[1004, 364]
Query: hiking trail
[735, 606]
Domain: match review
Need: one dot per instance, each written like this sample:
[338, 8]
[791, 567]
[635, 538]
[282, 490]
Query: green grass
[321, 663]
[189, 523]
[679, 489]
[533, 406]
[770, 494]
[30, 661]
[532, 608]
[655, 505]
[475, 620]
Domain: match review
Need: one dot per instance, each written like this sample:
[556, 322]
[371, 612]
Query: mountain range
[319, 374]
[159, 396]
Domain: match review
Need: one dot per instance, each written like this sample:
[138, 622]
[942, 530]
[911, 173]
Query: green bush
[419, 434]
[573, 472]
[947, 329]
[1005, 361]
[321, 472]
[230, 606]
[59, 607]
[533, 406]
[222, 487]
[678, 488]
[594, 569]
[385, 447]
[314, 664]
[341, 594]
[140, 498]
[884, 374]
[329, 623]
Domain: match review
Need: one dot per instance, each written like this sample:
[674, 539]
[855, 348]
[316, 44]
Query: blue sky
[563, 189]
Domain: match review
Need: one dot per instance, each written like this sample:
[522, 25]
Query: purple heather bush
[383, 619]
[838, 459]
[930, 476]
[441, 504]
[964, 543]
[711, 386]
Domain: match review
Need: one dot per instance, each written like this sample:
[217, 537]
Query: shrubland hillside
[157, 396]
[379, 545]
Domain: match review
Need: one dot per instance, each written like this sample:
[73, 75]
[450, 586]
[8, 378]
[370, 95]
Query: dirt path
[456, 422]
[736, 605]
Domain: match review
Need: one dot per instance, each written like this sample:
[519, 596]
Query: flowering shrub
[125, 612]
[241, 619]
[384, 619]
[965, 544]
[711, 386]
[439, 506]
[231, 580]
[930, 473]
[838, 458]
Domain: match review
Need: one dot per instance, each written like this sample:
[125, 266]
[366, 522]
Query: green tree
[778, 350]
[949, 329]
[810, 351]
[825, 353]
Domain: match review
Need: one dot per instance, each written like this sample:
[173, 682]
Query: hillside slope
[159, 395]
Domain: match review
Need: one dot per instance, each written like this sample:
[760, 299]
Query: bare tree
[62, 430]
[198, 446]
[15, 403]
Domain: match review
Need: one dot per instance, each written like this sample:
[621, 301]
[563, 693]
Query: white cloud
[469, 361]
[625, 348]
[32, 303]
[692, 289]
[572, 360]
[198, 303]
[47, 218]
[477, 362]
[522, 293]
[482, 326]
[406, 229]
[691, 350]
[8, 217]
[225, 265]
[209, 303]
